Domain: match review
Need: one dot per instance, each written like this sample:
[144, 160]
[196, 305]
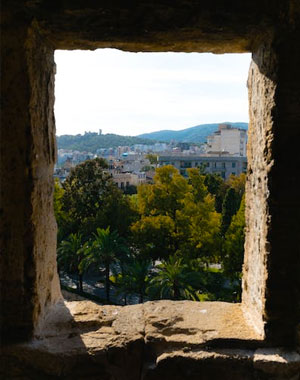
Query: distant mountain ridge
[196, 134]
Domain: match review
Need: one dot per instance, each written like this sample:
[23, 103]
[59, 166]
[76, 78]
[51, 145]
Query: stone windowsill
[161, 339]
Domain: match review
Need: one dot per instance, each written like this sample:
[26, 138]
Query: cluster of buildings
[128, 169]
[227, 140]
[136, 148]
[224, 153]
[222, 165]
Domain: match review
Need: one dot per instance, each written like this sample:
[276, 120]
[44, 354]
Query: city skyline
[134, 93]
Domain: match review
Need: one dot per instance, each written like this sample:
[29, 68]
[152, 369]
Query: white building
[123, 180]
[227, 139]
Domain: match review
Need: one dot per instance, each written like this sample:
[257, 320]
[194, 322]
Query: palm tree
[70, 254]
[106, 248]
[138, 273]
[173, 280]
[134, 278]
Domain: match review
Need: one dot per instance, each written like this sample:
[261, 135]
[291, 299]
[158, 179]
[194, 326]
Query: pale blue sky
[133, 93]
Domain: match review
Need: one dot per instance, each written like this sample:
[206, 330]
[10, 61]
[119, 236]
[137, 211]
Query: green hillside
[90, 142]
[197, 134]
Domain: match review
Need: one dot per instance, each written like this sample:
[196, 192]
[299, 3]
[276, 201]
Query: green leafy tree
[134, 278]
[57, 202]
[118, 212]
[234, 245]
[198, 230]
[106, 248]
[238, 183]
[165, 195]
[229, 208]
[177, 214]
[153, 159]
[197, 181]
[216, 187]
[70, 255]
[91, 200]
[157, 204]
[86, 188]
[130, 190]
[63, 223]
[154, 236]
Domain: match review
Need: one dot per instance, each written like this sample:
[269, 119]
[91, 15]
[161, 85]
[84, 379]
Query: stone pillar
[29, 280]
[271, 290]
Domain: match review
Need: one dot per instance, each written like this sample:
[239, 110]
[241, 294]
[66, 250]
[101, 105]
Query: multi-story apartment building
[227, 140]
[223, 165]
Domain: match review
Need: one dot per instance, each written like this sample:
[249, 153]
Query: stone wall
[272, 269]
[32, 30]
[260, 161]
[29, 280]
[283, 290]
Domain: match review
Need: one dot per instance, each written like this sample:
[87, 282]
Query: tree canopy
[158, 243]
[90, 199]
[234, 244]
[176, 215]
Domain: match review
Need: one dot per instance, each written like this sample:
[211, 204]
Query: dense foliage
[90, 141]
[177, 238]
[89, 199]
[177, 216]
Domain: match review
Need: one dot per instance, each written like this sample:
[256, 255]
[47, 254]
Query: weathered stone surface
[260, 161]
[29, 279]
[283, 283]
[202, 364]
[277, 363]
[82, 340]
[32, 30]
[171, 324]
[179, 25]
[228, 364]
[145, 25]
[108, 346]
[155, 340]
[162, 323]
[68, 296]
[271, 278]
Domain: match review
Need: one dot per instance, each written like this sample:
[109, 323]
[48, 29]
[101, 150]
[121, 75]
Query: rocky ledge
[155, 340]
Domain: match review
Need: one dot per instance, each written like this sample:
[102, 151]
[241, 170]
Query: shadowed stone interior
[171, 342]
[155, 340]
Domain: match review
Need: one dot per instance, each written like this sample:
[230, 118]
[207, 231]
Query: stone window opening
[80, 337]
[71, 280]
